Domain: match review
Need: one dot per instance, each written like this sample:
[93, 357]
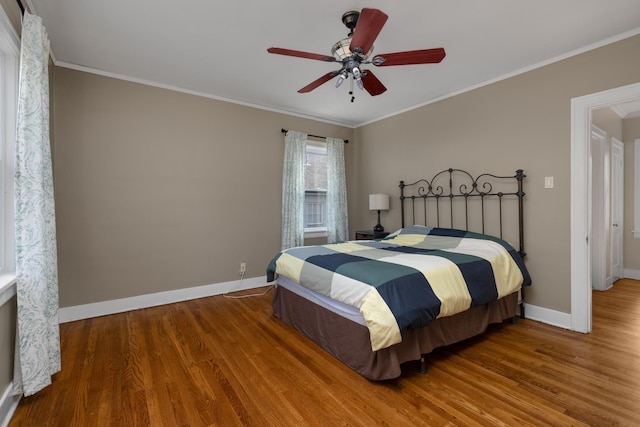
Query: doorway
[581, 201]
[606, 162]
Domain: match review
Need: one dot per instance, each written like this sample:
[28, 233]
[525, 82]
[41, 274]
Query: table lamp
[378, 202]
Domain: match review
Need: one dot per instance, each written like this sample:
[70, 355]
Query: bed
[443, 277]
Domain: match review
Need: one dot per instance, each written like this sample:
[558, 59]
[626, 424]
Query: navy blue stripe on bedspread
[477, 272]
[411, 300]
[406, 290]
[469, 234]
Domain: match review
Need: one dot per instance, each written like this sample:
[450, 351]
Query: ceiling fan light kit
[342, 51]
[354, 51]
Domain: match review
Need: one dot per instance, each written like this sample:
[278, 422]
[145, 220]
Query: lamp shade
[378, 202]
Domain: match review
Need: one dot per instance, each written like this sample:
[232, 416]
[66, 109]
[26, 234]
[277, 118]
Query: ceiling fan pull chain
[351, 90]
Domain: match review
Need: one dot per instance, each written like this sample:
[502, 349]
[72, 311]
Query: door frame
[619, 226]
[580, 201]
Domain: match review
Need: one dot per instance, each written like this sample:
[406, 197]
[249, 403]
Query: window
[313, 182]
[315, 190]
[9, 60]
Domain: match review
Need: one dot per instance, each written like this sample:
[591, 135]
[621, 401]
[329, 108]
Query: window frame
[9, 77]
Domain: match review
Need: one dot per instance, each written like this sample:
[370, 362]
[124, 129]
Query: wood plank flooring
[219, 361]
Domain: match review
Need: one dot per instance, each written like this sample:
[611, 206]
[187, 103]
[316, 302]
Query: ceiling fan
[355, 50]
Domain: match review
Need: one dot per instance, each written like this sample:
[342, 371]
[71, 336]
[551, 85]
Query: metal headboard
[450, 194]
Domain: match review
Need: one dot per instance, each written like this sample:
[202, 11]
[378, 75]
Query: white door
[617, 207]
[598, 242]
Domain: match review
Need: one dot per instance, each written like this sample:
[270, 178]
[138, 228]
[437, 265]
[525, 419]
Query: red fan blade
[300, 54]
[424, 56]
[372, 84]
[314, 84]
[370, 22]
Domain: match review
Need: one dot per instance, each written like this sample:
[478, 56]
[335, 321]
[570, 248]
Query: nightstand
[370, 235]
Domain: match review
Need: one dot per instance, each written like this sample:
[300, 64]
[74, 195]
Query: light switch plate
[548, 182]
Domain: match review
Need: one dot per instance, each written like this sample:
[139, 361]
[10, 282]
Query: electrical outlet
[243, 267]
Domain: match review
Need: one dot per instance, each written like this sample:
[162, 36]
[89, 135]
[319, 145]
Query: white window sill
[7, 288]
[313, 233]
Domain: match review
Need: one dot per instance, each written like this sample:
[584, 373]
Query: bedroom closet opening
[607, 193]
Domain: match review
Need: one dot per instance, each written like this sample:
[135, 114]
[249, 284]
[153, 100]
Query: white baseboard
[8, 405]
[631, 274]
[85, 311]
[609, 282]
[550, 317]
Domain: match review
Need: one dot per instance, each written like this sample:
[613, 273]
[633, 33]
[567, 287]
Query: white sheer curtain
[337, 215]
[38, 338]
[295, 148]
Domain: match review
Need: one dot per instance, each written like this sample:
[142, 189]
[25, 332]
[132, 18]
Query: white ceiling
[219, 49]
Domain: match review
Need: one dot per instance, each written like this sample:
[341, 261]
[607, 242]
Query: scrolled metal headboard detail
[451, 192]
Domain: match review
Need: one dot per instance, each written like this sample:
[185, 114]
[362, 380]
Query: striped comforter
[408, 279]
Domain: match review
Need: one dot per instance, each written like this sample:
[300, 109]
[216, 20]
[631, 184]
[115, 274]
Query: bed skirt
[349, 341]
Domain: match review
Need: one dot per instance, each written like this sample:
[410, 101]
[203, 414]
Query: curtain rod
[21, 6]
[346, 141]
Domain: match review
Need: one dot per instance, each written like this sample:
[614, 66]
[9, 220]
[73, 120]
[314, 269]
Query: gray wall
[522, 122]
[13, 12]
[158, 190]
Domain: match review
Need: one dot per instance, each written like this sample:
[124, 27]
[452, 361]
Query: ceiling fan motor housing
[350, 19]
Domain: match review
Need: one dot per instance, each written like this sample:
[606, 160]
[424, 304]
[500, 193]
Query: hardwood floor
[219, 361]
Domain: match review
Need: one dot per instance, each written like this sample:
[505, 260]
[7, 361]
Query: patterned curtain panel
[295, 148]
[337, 215]
[38, 340]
